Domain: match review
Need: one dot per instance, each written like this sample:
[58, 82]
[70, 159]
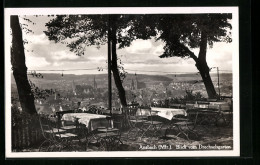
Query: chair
[92, 109]
[175, 105]
[55, 138]
[183, 125]
[59, 116]
[151, 126]
[203, 114]
[226, 115]
[137, 118]
[70, 126]
[203, 104]
[109, 137]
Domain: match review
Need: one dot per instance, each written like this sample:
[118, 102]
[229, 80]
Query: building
[134, 83]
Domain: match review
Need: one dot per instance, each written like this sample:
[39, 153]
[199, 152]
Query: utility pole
[218, 83]
[109, 69]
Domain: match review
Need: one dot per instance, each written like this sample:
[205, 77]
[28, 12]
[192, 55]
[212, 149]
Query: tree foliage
[181, 33]
[79, 31]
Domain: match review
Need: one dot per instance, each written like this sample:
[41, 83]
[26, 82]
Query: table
[105, 111]
[182, 124]
[91, 121]
[206, 116]
[210, 116]
[222, 106]
[168, 113]
[210, 112]
[165, 113]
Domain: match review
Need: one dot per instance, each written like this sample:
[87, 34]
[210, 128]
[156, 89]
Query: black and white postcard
[122, 82]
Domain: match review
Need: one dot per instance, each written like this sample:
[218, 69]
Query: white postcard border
[124, 10]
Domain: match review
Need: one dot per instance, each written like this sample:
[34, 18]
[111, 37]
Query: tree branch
[189, 52]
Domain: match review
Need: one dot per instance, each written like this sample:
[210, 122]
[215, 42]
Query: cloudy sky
[141, 57]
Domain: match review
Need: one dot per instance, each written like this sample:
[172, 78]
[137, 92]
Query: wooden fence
[26, 133]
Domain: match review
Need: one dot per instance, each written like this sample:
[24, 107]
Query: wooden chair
[175, 105]
[152, 127]
[202, 113]
[55, 138]
[109, 137]
[93, 109]
[182, 125]
[225, 115]
[70, 126]
[137, 119]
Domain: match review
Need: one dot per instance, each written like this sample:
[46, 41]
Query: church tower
[74, 88]
[134, 83]
[132, 87]
[55, 95]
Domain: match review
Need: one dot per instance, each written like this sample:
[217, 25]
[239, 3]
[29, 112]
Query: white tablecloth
[168, 113]
[92, 121]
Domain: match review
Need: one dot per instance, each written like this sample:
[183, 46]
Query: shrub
[192, 97]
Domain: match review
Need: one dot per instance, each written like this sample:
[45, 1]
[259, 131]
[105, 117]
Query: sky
[141, 57]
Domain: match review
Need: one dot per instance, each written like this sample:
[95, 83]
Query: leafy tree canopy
[182, 32]
[79, 31]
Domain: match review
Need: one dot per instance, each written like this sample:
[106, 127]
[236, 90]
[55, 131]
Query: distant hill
[49, 79]
[98, 77]
[143, 77]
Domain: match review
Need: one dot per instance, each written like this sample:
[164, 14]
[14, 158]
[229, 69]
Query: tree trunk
[118, 82]
[109, 66]
[114, 67]
[204, 72]
[19, 68]
[203, 68]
